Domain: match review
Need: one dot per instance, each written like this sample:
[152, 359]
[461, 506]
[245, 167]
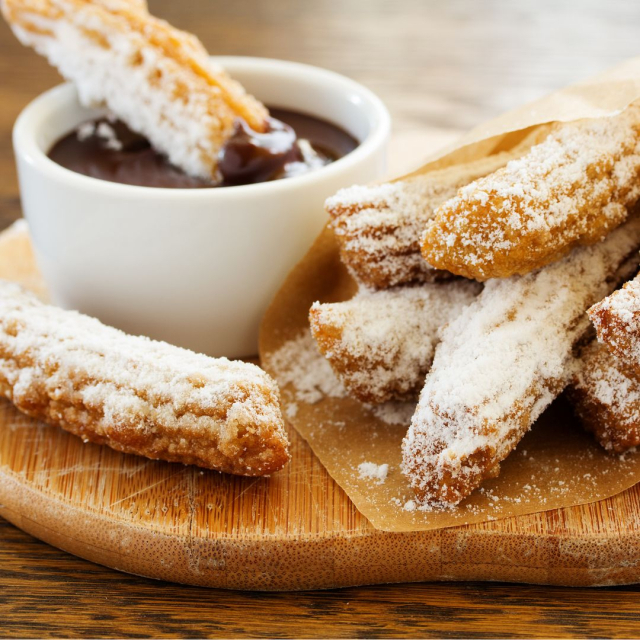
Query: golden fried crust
[136, 395]
[501, 362]
[379, 227]
[381, 343]
[606, 398]
[570, 190]
[617, 323]
[159, 80]
[359, 371]
[440, 476]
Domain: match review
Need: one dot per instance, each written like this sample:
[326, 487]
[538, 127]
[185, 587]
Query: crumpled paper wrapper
[556, 465]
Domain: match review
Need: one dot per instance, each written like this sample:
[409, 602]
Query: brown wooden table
[438, 65]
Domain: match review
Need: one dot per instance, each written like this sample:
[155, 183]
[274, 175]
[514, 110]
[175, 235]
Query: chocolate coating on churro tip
[249, 156]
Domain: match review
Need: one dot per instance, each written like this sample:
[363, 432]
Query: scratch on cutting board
[136, 493]
[245, 490]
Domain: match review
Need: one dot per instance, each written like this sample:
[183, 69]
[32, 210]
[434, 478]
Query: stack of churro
[379, 227]
[381, 343]
[550, 227]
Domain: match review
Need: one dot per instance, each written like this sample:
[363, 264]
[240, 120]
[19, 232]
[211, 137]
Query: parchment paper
[556, 464]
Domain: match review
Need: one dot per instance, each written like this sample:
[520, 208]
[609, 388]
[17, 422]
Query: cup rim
[25, 145]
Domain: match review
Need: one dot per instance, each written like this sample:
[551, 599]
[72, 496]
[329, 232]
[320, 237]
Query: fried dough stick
[617, 323]
[502, 362]
[606, 398]
[381, 343]
[379, 227]
[157, 79]
[137, 395]
[570, 190]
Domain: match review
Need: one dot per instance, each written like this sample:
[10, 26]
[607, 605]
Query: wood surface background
[437, 65]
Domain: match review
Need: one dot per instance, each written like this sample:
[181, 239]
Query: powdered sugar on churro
[617, 321]
[625, 303]
[85, 130]
[136, 394]
[379, 227]
[158, 80]
[381, 343]
[610, 386]
[572, 188]
[606, 397]
[108, 134]
[616, 390]
[501, 362]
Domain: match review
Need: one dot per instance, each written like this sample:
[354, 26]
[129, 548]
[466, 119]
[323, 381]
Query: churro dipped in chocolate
[157, 79]
[606, 398]
[570, 190]
[381, 343]
[501, 362]
[617, 323]
[137, 395]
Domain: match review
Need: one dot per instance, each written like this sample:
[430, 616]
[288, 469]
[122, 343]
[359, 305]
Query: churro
[617, 323]
[157, 79]
[606, 398]
[381, 343]
[136, 395]
[501, 362]
[572, 189]
[378, 227]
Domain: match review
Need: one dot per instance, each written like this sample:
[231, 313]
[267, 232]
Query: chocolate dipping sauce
[294, 144]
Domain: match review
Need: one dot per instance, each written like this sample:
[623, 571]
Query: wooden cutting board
[296, 530]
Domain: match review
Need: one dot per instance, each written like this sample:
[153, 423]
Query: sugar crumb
[299, 363]
[372, 471]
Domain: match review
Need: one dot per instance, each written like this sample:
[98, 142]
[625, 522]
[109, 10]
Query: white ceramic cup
[198, 267]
